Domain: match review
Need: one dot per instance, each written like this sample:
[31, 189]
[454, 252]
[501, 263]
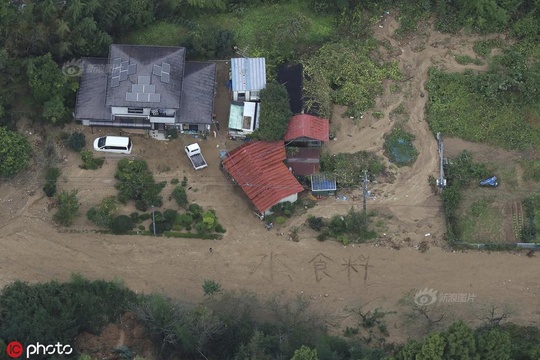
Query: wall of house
[291, 198]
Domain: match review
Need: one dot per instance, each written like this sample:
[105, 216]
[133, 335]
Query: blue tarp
[492, 181]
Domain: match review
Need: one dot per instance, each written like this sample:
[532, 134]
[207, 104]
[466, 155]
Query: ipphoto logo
[15, 349]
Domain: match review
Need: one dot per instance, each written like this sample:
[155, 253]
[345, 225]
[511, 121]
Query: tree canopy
[275, 113]
[14, 152]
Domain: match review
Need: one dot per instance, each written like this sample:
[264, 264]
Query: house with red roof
[307, 131]
[304, 138]
[258, 168]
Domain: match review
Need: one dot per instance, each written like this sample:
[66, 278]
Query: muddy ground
[249, 257]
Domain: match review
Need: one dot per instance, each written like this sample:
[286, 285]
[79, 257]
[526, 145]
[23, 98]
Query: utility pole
[153, 220]
[364, 189]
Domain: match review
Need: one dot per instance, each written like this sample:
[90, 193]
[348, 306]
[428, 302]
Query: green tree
[494, 344]
[460, 342]
[14, 152]
[67, 208]
[45, 79]
[136, 182]
[121, 224]
[305, 353]
[275, 113]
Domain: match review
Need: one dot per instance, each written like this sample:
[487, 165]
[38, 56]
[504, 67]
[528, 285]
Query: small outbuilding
[303, 161]
[243, 118]
[307, 131]
[248, 78]
[323, 184]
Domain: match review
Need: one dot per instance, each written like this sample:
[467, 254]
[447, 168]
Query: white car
[113, 144]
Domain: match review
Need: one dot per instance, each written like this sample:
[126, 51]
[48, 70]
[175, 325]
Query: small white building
[243, 118]
[248, 78]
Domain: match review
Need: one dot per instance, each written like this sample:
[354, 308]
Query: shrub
[103, 214]
[280, 220]
[136, 182]
[322, 237]
[180, 196]
[316, 223]
[90, 162]
[144, 216]
[14, 152]
[175, 181]
[170, 215]
[184, 182]
[195, 209]
[141, 227]
[220, 228]
[77, 141]
[158, 216]
[185, 219]
[67, 209]
[211, 287]
[121, 224]
[50, 188]
[134, 216]
[209, 220]
[52, 174]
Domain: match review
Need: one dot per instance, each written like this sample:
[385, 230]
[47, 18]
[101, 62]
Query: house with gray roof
[146, 87]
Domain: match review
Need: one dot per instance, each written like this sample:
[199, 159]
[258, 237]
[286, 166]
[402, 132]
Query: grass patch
[159, 33]
[482, 222]
[399, 148]
[410, 14]
[531, 169]
[455, 108]
[349, 167]
[484, 47]
[466, 60]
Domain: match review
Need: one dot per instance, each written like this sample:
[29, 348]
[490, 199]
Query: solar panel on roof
[131, 96]
[166, 68]
[149, 89]
[132, 69]
[154, 97]
[117, 62]
[137, 88]
[144, 80]
[166, 78]
[115, 81]
[157, 70]
[123, 75]
[141, 97]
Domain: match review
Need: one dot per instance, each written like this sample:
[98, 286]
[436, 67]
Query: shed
[307, 131]
[243, 118]
[248, 78]
[323, 184]
[303, 161]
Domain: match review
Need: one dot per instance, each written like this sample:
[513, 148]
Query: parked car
[113, 144]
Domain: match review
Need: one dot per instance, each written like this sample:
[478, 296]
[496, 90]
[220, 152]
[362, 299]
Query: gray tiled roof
[91, 94]
[198, 95]
[167, 85]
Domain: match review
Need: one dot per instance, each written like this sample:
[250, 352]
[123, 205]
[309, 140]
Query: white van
[114, 144]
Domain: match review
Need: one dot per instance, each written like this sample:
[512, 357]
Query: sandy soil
[250, 257]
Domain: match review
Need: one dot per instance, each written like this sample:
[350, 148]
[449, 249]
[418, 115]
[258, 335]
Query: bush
[136, 182]
[121, 224]
[158, 216]
[170, 215]
[56, 312]
[50, 188]
[322, 237]
[316, 223]
[134, 216]
[90, 162]
[184, 182]
[220, 228]
[14, 152]
[280, 220]
[103, 214]
[77, 141]
[211, 287]
[144, 216]
[175, 181]
[185, 219]
[52, 174]
[67, 208]
[141, 227]
[195, 209]
[180, 196]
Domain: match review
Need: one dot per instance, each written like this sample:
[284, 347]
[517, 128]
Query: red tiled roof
[304, 161]
[259, 170]
[304, 125]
